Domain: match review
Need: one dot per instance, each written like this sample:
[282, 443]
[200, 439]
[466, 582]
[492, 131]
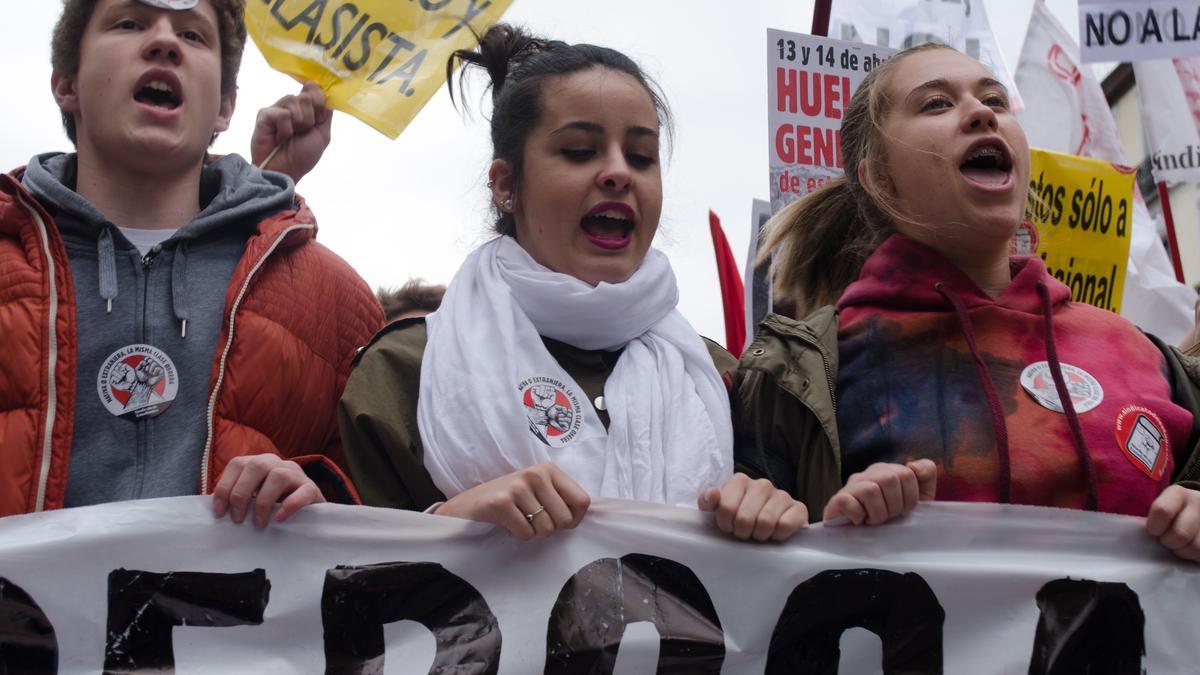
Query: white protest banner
[1135, 30]
[1172, 142]
[809, 84]
[901, 24]
[1066, 111]
[758, 277]
[160, 586]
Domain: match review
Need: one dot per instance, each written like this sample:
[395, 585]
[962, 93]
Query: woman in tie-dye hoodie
[933, 364]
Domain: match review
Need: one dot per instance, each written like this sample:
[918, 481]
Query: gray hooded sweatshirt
[172, 299]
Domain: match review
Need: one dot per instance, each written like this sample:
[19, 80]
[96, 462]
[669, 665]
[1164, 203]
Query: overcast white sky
[416, 206]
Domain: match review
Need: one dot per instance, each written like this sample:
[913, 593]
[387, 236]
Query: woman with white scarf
[558, 368]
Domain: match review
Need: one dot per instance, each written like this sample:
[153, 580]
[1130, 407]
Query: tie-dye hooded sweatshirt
[932, 366]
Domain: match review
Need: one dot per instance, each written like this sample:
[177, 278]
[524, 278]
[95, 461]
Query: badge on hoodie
[171, 4]
[1086, 392]
[1142, 436]
[1025, 240]
[137, 381]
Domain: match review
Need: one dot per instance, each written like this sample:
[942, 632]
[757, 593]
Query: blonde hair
[821, 241]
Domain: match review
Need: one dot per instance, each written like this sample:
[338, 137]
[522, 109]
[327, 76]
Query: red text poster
[810, 81]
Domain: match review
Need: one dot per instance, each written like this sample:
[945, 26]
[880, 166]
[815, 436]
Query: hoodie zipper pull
[148, 259]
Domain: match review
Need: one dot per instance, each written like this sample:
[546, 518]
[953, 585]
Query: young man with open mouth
[171, 326]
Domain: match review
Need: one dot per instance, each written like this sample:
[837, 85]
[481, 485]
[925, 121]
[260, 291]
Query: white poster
[1136, 30]
[900, 24]
[809, 84]
[1169, 100]
[1065, 111]
[1172, 142]
[162, 586]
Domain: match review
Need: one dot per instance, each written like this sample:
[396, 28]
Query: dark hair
[519, 65]
[414, 296]
[72, 23]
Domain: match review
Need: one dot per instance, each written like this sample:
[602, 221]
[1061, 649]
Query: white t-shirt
[145, 240]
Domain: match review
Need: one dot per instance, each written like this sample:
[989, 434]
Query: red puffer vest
[294, 315]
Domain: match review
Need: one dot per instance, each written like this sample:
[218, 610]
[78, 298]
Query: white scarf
[493, 400]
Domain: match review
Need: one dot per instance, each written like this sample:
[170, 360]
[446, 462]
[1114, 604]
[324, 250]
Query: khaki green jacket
[378, 410]
[785, 407]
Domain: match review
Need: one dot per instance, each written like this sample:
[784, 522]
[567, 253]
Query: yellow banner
[1078, 218]
[379, 60]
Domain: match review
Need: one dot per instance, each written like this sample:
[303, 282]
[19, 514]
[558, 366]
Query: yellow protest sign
[379, 60]
[1078, 218]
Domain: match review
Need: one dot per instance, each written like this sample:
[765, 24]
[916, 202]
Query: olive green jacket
[378, 410]
[785, 407]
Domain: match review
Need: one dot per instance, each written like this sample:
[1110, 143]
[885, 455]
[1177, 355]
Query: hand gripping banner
[160, 585]
[379, 60]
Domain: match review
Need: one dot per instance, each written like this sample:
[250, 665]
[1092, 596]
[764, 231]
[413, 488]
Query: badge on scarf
[1142, 436]
[171, 4]
[1085, 391]
[137, 381]
[553, 410]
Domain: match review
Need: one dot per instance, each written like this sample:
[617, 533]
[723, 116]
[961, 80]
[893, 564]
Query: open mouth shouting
[159, 89]
[988, 165]
[609, 225]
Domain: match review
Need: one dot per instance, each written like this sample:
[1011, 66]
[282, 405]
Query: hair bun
[502, 48]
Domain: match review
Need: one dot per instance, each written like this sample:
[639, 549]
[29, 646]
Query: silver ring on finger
[529, 516]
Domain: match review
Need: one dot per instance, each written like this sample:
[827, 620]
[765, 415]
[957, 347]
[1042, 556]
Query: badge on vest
[553, 410]
[1085, 391]
[1142, 436]
[137, 381]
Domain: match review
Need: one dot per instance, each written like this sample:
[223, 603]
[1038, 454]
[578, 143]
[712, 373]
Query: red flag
[733, 297]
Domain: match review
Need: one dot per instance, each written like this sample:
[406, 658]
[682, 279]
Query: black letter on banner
[900, 608]
[27, 642]
[358, 601]
[143, 608]
[594, 607]
[474, 8]
[1088, 627]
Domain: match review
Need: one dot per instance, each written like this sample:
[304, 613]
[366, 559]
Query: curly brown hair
[68, 35]
[414, 298]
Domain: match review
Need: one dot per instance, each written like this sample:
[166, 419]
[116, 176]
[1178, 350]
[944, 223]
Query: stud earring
[508, 203]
